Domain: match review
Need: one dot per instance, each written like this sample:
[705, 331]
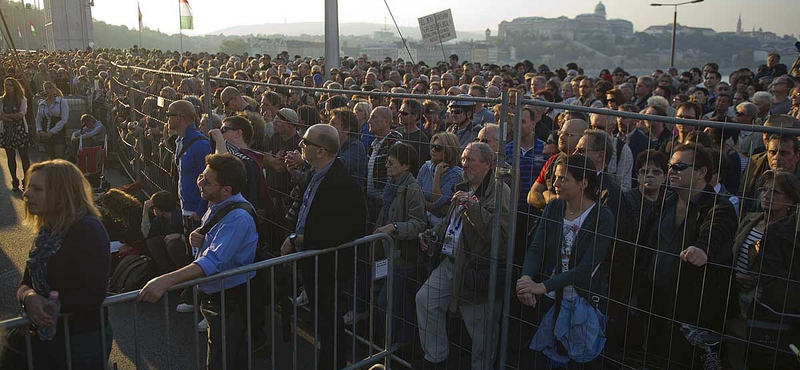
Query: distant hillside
[318, 28]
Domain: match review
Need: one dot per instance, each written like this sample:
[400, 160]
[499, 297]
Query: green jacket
[474, 245]
[408, 211]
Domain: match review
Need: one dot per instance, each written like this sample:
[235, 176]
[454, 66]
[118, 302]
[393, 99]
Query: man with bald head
[333, 212]
[380, 125]
[191, 148]
[542, 190]
[232, 101]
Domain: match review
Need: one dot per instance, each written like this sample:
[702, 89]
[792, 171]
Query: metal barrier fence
[265, 267]
[502, 264]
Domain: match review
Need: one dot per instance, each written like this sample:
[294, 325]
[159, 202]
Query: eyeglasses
[580, 151]
[455, 111]
[437, 147]
[205, 181]
[740, 114]
[678, 167]
[225, 129]
[655, 172]
[304, 142]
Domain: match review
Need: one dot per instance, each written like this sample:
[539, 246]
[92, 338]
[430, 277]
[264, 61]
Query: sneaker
[301, 300]
[184, 308]
[349, 319]
[202, 326]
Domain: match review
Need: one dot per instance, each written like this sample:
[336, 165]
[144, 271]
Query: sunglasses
[678, 167]
[455, 111]
[304, 142]
[740, 114]
[225, 129]
[437, 147]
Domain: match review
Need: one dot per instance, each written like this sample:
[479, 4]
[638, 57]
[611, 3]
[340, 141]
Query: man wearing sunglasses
[411, 122]
[459, 120]
[691, 236]
[332, 213]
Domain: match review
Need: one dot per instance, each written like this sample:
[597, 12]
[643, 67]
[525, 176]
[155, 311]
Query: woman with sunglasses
[439, 175]
[14, 128]
[765, 241]
[562, 264]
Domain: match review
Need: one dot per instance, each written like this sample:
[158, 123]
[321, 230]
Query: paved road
[150, 343]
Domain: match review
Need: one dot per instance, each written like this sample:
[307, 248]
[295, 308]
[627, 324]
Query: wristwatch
[395, 226]
[292, 240]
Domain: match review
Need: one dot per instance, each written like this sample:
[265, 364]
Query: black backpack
[133, 272]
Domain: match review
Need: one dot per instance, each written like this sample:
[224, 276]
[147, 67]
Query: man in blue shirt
[229, 244]
[191, 149]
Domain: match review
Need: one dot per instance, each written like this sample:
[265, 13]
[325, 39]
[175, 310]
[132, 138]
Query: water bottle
[52, 308]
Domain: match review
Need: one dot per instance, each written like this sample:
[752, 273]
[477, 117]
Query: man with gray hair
[644, 90]
[749, 142]
[620, 165]
[380, 125]
[463, 238]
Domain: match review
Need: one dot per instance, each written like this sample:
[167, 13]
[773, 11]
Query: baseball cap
[288, 114]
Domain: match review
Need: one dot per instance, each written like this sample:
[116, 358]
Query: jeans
[235, 328]
[403, 312]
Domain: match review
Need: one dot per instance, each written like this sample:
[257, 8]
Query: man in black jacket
[689, 246]
[333, 212]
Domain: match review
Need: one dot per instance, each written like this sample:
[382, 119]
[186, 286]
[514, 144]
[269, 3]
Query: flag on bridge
[141, 25]
[33, 29]
[186, 15]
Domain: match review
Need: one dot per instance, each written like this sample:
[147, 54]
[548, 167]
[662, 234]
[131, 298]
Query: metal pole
[512, 229]
[180, 27]
[672, 49]
[331, 36]
[498, 210]
[25, 19]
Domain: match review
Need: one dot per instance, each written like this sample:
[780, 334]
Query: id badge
[381, 269]
[447, 246]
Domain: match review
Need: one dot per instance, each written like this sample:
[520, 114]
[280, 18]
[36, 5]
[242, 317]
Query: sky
[471, 15]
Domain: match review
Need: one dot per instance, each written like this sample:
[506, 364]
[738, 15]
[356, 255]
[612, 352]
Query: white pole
[331, 36]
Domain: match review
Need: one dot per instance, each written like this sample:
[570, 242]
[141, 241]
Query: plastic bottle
[52, 308]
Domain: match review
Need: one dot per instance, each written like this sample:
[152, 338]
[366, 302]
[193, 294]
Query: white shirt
[570, 232]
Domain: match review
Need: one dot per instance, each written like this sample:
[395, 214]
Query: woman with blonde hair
[51, 119]
[14, 128]
[439, 175]
[362, 110]
[70, 255]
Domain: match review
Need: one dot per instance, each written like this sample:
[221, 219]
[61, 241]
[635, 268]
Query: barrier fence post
[207, 93]
[512, 229]
[498, 208]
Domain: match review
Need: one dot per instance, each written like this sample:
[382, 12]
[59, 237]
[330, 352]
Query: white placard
[381, 269]
[160, 102]
[437, 27]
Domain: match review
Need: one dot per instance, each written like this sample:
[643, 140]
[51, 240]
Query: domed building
[582, 27]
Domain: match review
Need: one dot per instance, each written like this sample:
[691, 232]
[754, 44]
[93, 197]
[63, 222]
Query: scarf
[44, 246]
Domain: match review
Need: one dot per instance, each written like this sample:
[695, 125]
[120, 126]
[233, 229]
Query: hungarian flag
[186, 15]
[141, 25]
[33, 29]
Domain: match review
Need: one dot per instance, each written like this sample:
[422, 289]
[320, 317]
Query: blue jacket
[190, 165]
[579, 327]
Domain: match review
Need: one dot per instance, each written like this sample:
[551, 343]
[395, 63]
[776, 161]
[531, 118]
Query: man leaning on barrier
[461, 280]
[333, 212]
[230, 243]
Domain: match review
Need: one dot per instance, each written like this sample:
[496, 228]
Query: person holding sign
[462, 242]
[402, 217]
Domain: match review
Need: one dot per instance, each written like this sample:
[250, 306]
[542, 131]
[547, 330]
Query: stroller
[92, 163]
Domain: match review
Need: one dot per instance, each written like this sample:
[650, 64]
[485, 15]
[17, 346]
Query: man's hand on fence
[154, 289]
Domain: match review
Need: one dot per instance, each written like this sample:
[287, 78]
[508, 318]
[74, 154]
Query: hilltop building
[582, 27]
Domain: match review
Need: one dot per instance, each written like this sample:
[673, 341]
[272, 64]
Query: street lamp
[674, 24]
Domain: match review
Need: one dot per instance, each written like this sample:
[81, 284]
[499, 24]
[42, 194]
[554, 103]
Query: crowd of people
[632, 238]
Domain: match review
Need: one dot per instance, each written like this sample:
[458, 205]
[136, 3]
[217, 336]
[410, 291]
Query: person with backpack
[162, 228]
[226, 240]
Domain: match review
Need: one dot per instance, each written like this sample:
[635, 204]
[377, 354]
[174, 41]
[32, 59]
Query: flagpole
[180, 28]
[139, 9]
[25, 19]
